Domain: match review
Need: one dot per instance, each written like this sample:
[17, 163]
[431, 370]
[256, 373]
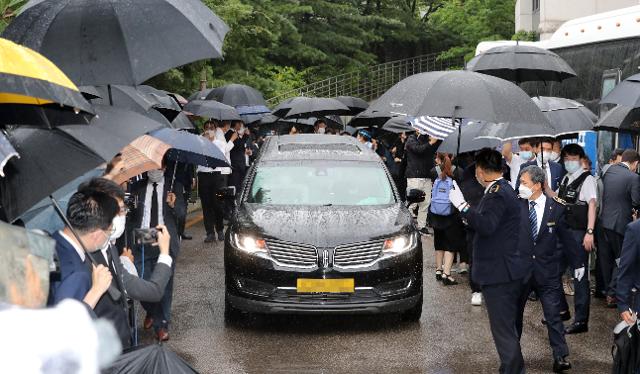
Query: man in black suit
[238, 155]
[156, 206]
[130, 285]
[621, 194]
[543, 227]
[629, 272]
[500, 266]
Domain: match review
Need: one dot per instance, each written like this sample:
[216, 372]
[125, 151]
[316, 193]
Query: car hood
[324, 226]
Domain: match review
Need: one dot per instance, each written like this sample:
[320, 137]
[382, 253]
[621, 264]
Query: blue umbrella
[191, 149]
[43, 215]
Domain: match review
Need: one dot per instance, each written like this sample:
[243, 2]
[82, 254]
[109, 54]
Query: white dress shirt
[225, 147]
[146, 218]
[546, 169]
[539, 208]
[76, 246]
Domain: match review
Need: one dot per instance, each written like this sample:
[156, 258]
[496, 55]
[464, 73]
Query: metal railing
[372, 81]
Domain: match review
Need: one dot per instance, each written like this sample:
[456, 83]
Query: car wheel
[413, 314]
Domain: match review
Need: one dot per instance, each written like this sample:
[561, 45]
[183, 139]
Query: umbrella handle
[173, 177]
[113, 291]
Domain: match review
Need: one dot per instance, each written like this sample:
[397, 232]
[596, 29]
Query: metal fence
[372, 82]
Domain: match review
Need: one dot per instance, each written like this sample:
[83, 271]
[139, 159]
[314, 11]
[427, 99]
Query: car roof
[316, 147]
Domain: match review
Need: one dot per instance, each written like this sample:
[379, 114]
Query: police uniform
[543, 228]
[501, 268]
[577, 189]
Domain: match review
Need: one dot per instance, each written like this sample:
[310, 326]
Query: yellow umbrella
[28, 78]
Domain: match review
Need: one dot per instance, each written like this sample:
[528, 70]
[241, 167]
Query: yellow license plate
[325, 285]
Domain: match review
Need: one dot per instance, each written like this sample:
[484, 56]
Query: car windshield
[321, 183]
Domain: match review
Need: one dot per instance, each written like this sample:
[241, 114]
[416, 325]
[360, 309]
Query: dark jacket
[75, 275]
[621, 193]
[557, 172]
[420, 155]
[134, 221]
[629, 269]
[117, 311]
[497, 252]
[237, 153]
[554, 230]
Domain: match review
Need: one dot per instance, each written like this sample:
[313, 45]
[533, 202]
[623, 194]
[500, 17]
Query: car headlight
[399, 244]
[249, 244]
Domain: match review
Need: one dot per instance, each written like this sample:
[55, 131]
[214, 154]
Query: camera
[145, 236]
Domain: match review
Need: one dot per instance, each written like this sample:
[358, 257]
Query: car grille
[293, 254]
[357, 254]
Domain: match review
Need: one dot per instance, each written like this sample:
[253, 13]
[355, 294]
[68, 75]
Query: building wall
[553, 13]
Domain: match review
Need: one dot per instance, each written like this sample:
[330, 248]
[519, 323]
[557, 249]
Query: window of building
[536, 5]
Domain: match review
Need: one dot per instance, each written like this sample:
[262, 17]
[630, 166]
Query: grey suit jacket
[138, 288]
[621, 193]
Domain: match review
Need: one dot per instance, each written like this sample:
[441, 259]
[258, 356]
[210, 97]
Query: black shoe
[576, 328]
[560, 365]
[186, 237]
[447, 281]
[221, 236]
[533, 296]
[438, 275]
[565, 316]
[210, 238]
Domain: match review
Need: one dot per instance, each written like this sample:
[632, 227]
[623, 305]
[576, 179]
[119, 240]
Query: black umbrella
[119, 41]
[305, 107]
[468, 140]
[7, 152]
[182, 122]
[626, 93]
[200, 95]
[90, 92]
[356, 104]
[237, 95]
[111, 130]
[371, 118]
[122, 96]
[521, 63]
[162, 101]
[620, 119]
[191, 149]
[49, 159]
[566, 116]
[398, 124]
[465, 94]
[155, 358]
[212, 109]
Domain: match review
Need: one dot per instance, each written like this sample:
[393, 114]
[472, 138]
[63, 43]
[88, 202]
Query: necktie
[533, 220]
[153, 222]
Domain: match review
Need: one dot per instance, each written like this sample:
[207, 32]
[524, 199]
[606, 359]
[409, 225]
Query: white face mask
[155, 176]
[321, 130]
[524, 191]
[544, 157]
[572, 166]
[117, 228]
[555, 157]
[241, 131]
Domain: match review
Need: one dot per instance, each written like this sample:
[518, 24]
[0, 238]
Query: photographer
[90, 213]
[156, 207]
[131, 286]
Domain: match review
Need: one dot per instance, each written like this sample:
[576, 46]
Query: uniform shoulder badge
[559, 201]
[495, 188]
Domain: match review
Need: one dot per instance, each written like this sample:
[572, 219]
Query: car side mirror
[226, 193]
[415, 196]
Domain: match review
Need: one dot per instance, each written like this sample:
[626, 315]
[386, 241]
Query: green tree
[8, 10]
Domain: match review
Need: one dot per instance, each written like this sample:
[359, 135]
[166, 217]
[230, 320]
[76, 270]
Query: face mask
[526, 155]
[544, 157]
[524, 191]
[241, 131]
[572, 166]
[555, 157]
[210, 133]
[117, 228]
[321, 130]
[155, 176]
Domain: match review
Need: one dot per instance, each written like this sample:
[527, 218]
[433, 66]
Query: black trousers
[551, 296]
[212, 207]
[505, 305]
[474, 286]
[608, 253]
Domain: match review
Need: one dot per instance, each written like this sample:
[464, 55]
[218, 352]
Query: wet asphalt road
[452, 336]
